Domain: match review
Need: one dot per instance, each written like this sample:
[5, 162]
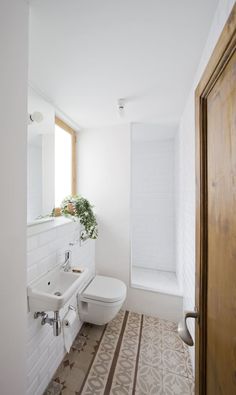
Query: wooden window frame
[72, 132]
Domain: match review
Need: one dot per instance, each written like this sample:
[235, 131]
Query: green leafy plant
[77, 206]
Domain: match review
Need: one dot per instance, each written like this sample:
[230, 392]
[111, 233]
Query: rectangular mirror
[51, 166]
[41, 157]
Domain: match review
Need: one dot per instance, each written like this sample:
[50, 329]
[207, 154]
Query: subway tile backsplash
[46, 248]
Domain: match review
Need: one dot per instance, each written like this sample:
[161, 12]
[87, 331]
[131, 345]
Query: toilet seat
[104, 289]
[101, 300]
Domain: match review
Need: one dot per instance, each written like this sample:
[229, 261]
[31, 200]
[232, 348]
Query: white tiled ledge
[45, 226]
[155, 281]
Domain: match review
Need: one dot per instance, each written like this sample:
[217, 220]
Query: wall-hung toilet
[101, 300]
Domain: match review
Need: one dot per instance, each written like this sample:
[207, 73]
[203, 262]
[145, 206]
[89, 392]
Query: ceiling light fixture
[35, 117]
[121, 106]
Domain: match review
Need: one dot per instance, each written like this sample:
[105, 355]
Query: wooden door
[216, 219]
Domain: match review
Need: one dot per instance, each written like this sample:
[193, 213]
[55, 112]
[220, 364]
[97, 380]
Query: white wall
[178, 232]
[104, 178]
[186, 142]
[13, 174]
[153, 197]
[46, 250]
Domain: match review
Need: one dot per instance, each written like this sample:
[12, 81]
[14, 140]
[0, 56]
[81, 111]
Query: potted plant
[79, 207]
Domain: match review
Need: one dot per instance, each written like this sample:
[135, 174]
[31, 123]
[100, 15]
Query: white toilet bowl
[101, 300]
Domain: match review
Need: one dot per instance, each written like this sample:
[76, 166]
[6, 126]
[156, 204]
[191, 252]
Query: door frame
[221, 55]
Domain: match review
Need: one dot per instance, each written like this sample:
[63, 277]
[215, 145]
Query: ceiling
[86, 54]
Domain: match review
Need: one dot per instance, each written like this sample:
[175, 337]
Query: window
[65, 161]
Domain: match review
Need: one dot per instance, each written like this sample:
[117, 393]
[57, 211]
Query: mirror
[40, 158]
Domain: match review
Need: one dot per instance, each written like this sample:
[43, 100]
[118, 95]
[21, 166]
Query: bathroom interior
[108, 88]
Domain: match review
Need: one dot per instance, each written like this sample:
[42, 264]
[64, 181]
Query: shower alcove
[153, 209]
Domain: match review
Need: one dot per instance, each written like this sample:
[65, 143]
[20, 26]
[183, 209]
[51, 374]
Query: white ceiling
[85, 54]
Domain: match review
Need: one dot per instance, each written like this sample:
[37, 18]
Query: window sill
[34, 229]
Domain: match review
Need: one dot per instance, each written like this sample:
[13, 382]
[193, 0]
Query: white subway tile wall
[153, 198]
[46, 250]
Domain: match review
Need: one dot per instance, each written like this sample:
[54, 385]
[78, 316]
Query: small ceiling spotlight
[35, 117]
[121, 106]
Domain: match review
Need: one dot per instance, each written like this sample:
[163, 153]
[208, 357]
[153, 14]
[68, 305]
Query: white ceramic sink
[52, 291]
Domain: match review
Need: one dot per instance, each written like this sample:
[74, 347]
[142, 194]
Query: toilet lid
[105, 289]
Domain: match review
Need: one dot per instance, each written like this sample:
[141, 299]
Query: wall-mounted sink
[52, 291]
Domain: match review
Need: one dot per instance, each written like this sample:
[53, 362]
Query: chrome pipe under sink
[55, 322]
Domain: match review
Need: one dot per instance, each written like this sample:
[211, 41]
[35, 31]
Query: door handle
[183, 328]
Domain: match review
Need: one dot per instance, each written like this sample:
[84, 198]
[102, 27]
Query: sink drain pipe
[55, 322]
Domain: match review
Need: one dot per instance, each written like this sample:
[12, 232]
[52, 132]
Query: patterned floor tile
[74, 380]
[155, 341]
[192, 386]
[150, 355]
[79, 343]
[54, 388]
[172, 340]
[175, 385]
[62, 373]
[175, 362]
[124, 373]
[168, 325]
[149, 381]
[67, 391]
[189, 365]
[152, 332]
[99, 373]
[131, 349]
[152, 321]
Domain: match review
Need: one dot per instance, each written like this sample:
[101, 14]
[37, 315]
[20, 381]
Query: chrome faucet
[66, 266]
